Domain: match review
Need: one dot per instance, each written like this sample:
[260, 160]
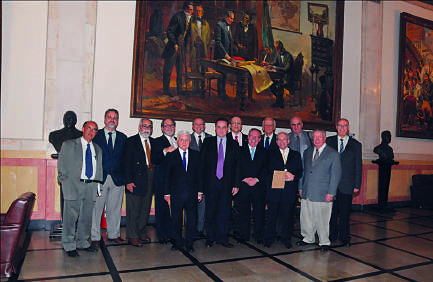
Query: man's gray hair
[263, 122]
[183, 132]
[320, 130]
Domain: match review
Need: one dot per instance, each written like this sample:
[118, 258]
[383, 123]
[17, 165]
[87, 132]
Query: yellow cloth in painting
[261, 79]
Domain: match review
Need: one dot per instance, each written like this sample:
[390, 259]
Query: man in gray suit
[300, 140]
[197, 138]
[79, 181]
[322, 173]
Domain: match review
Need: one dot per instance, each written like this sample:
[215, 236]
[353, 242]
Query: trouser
[315, 217]
[111, 199]
[138, 209]
[169, 63]
[77, 223]
[218, 206]
[189, 204]
[342, 205]
[284, 211]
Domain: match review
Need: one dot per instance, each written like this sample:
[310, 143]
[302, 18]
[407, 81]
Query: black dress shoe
[324, 248]
[288, 245]
[209, 243]
[175, 247]
[226, 245]
[259, 241]
[190, 249]
[73, 253]
[302, 243]
[90, 249]
[267, 245]
[200, 235]
[240, 241]
[347, 244]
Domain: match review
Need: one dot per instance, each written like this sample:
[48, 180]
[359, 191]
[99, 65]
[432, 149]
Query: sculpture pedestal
[383, 184]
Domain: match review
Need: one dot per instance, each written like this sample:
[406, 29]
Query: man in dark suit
[178, 31]
[112, 143]
[236, 131]
[283, 63]
[223, 47]
[197, 138]
[245, 39]
[269, 138]
[139, 183]
[220, 165]
[351, 178]
[163, 145]
[79, 182]
[322, 173]
[182, 189]
[252, 191]
[281, 202]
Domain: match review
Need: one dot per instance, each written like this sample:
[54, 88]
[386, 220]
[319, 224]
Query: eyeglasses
[169, 125]
[146, 126]
[342, 125]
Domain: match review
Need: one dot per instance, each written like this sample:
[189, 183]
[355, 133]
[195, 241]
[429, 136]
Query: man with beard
[112, 143]
[139, 182]
[163, 145]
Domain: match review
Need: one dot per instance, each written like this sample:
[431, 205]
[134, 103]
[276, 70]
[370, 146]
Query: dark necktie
[316, 156]
[341, 146]
[184, 160]
[110, 142]
[297, 144]
[89, 166]
[253, 151]
[220, 163]
[267, 142]
[200, 143]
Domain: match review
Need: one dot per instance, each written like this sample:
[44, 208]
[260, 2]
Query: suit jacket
[112, 165]
[157, 157]
[223, 40]
[293, 165]
[194, 145]
[305, 141]
[272, 146]
[244, 138]
[284, 65]
[177, 33]
[351, 164]
[247, 39]
[69, 167]
[180, 182]
[135, 161]
[257, 168]
[323, 177]
[209, 159]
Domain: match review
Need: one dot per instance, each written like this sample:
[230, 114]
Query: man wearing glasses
[139, 174]
[351, 178]
[164, 144]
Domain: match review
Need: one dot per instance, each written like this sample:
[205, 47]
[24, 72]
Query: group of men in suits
[201, 175]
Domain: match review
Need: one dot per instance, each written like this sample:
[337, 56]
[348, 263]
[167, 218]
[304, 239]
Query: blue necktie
[267, 142]
[184, 160]
[110, 142]
[253, 150]
[89, 167]
[341, 146]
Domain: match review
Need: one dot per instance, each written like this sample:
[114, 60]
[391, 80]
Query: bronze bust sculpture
[57, 137]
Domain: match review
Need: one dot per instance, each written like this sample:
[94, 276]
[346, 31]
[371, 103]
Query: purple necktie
[220, 164]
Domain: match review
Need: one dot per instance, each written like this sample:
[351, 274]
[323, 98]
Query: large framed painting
[300, 77]
[415, 78]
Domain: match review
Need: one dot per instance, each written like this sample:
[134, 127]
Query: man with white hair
[182, 188]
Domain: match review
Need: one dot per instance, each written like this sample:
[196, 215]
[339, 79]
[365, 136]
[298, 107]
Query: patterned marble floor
[394, 246]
